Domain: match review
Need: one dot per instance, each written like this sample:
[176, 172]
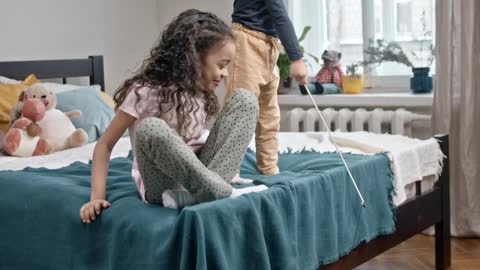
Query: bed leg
[442, 229]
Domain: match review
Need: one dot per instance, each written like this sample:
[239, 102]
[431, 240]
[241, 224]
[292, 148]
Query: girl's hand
[90, 210]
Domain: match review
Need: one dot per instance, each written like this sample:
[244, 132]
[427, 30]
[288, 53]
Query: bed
[287, 227]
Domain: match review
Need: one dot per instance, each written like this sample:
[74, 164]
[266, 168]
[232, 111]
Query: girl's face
[214, 66]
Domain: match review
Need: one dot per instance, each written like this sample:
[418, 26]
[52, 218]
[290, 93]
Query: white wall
[168, 9]
[122, 31]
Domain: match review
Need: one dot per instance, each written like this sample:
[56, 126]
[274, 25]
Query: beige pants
[255, 68]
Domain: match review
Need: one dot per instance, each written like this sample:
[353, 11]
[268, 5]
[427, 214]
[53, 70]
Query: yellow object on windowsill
[353, 84]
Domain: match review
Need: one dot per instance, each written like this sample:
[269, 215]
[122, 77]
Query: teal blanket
[308, 217]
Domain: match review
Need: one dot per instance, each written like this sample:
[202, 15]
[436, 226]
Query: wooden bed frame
[426, 209]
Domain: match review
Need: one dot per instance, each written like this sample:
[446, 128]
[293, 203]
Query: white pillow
[5, 80]
[55, 87]
[59, 88]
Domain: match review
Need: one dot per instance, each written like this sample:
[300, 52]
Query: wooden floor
[419, 253]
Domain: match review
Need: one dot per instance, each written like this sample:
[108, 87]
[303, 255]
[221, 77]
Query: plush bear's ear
[325, 55]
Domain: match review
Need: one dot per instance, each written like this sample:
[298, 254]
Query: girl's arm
[100, 163]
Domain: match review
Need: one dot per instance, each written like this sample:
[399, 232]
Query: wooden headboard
[91, 67]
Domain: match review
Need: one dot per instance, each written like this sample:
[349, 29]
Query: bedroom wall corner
[122, 31]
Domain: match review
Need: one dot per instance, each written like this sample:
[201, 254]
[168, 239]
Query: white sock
[177, 198]
[239, 180]
[240, 191]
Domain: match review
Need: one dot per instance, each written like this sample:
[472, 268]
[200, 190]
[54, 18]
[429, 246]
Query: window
[348, 26]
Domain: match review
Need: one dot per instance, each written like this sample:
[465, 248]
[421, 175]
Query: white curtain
[456, 108]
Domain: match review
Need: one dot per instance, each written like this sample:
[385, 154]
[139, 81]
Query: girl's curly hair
[174, 67]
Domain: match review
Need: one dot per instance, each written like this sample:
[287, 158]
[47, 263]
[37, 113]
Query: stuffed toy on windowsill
[329, 79]
[57, 127]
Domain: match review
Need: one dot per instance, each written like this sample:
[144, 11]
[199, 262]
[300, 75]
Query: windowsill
[403, 100]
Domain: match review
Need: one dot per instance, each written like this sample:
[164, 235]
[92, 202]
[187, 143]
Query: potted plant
[283, 62]
[353, 81]
[421, 82]
[381, 51]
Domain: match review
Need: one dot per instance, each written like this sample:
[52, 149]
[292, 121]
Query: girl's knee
[150, 124]
[246, 99]
[151, 127]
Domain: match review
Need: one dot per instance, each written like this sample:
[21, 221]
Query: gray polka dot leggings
[165, 161]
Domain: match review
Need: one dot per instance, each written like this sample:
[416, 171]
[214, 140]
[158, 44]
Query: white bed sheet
[63, 158]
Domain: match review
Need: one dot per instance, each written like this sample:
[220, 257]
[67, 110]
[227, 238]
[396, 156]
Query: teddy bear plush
[57, 127]
[329, 79]
[23, 137]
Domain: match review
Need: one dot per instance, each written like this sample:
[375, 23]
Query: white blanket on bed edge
[412, 159]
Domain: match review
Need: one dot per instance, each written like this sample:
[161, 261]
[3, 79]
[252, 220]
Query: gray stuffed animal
[329, 79]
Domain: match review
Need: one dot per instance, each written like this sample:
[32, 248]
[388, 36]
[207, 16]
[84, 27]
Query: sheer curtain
[456, 108]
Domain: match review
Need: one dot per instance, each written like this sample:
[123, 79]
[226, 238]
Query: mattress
[309, 216]
[425, 154]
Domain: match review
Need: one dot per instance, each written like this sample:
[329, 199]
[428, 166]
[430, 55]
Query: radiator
[377, 120]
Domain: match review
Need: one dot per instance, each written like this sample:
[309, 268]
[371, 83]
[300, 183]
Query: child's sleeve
[284, 29]
[133, 103]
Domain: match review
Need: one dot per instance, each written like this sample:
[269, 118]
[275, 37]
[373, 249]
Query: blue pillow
[96, 115]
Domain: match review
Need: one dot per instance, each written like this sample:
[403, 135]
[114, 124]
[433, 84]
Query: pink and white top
[146, 105]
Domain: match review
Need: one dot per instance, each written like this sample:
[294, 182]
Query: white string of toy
[336, 147]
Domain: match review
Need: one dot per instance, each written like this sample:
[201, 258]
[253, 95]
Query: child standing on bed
[165, 107]
[258, 25]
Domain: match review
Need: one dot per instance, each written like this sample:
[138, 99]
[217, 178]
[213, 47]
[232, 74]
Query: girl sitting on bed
[165, 107]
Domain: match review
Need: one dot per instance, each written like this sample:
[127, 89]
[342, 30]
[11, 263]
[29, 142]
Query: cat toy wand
[336, 146]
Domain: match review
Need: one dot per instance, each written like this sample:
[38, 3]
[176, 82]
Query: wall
[121, 30]
[168, 9]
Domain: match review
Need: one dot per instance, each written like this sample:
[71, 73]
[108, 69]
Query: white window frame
[374, 82]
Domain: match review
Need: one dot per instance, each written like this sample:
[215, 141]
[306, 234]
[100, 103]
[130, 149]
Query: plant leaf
[305, 31]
